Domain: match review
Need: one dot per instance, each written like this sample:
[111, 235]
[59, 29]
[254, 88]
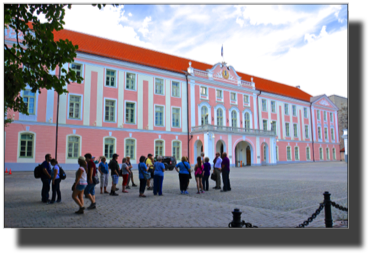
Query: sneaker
[202, 191]
[186, 192]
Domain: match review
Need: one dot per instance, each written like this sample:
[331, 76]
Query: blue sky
[294, 44]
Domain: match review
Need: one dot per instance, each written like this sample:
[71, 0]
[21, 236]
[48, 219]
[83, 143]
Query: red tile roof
[125, 52]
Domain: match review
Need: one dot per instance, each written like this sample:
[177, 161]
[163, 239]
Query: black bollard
[236, 220]
[328, 216]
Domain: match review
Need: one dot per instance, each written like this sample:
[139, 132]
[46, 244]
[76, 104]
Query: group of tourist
[151, 175]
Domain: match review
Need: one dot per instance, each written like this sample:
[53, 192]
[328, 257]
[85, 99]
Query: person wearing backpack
[56, 180]
[183, 172]
[46, 179]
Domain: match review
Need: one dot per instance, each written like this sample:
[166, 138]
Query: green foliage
[28, 61]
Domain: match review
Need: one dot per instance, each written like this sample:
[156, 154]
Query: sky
[302, 45]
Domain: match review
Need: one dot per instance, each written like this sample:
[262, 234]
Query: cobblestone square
[281, 196]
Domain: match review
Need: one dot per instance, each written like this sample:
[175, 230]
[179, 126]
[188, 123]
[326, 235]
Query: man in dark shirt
[89, 191]
[115, 169]
[226, 173]
[46, 179]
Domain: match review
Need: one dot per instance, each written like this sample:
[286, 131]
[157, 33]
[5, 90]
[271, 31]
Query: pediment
[325, 102]
[222, 72]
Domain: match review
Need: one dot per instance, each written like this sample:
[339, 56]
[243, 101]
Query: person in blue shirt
[183, 171]
[142, 167]
[159, 169]
[103, 169]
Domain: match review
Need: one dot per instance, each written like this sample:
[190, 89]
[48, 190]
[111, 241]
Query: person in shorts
[149, 164]
[89, 192]
[115, 170]
[80, 184]
[103, 170]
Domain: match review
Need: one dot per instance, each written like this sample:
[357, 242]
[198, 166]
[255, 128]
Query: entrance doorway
[264, 153]
[248, 155]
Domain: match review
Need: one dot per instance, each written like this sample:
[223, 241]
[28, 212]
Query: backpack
[62, 174]
[38, 171]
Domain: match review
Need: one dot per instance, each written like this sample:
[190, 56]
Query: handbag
[146, 174]
[213, 176]
[95, 180]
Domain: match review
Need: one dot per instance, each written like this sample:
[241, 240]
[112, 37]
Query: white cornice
[284, 97]
[314, 103]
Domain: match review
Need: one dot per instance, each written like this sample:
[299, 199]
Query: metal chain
[313, 216]
[248, 225]
[339, 206]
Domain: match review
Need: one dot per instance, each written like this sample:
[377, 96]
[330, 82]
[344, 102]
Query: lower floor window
[307, 153]
[159, 148]
[334, 154]
[320, 154]
[327, 154]
[296, 153]
[130, 148]
[109, 147]
[176, 150]
[288, 154]
[26, 145]
[73, 147]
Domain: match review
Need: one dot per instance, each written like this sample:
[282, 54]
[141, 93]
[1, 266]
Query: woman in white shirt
[80, 184]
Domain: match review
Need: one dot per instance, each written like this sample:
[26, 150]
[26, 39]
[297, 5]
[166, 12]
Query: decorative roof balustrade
[227, 129]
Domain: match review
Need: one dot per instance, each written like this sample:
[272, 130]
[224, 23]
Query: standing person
[115, 169]
[159, 169]
[89, 191]
[217, 169]
[103, 170]
[80, 184]
[188, 180]
[198, 175]
[206, 167]
[183, 173]
[149, 164]
[125, 173]
[55, 182]
[226, 173]
[46, 178]
[142, 167]
[130, 173]
[202, 157]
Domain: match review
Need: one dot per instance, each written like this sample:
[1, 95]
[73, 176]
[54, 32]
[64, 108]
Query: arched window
[159, 148]
[204, 115]
[26, 145]
[176, 150]
[247, 121]
[73, 146]
[219, 117]
[130, 148]
[234, 119]
[109, 147]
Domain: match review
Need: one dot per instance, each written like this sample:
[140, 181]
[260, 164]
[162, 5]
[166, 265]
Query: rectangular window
[273, 106]
[110, 78]
[332, 135]
[287, 131]
[264, 105]
[159, 86]
[159, 117]
[26, 146]
[307, 153]
[331, 117]
[130, 113]
[286, 109]
[277, 153]
[246, 99]
[288, 154]
[307, 132]
[295, 130]
[130, 148]
[294, 108]
[318, 115]
[324, 116]
[176, 150]
[334, 154]
[327, 153]
[320, 154]
[29, 99]
[305, 112]
[176, 117]
[219, 93]
[296, 153]
[319, 133]
[73, 147]
[109, 115]
[159, 148]
[326, 135]
[233, 96]
[175, 89]
[265, 124]
[75, 104]
[204, 91]
[274, 127]
[77, 68]
[109, 147]
[130, 81]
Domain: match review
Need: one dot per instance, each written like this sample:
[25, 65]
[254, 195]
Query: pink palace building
[134, 101]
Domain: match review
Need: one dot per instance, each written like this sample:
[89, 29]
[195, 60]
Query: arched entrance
[243, 153]
[220, 147]
[264, 153]
[198, 149]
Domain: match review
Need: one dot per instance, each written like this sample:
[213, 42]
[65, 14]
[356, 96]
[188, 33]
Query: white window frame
[220, 106]
[104, 145]
[163, 116]
[271, 126]
[202, 96]
[308, 156]
[264, 101]
[321, 152]
[246, 103]
[286, 109]
[172, 116]
[331, 117]
[332, 133]
[216, 95]
[290, 152]
[296, 153]
[116, 77]
[22, 94]
[135, 150]
[294, 110]
[68, 107]
[287, 134]
[318, 115]
[237, 116]
[135, 84]
[265, 127]
[33, 145]
[324, 116]
[271, 106]
[179, 89]
[135, 113]
[295, 130]
[104, 110]
[79, 147]
[163, 146]
[319, 133]
[163, 86]
[305, 113]
[233, 101]
[334, 153]
[82, 69]
[327, 153]
[250, 119]
[180, 149]
[326, 134]
[307, 132]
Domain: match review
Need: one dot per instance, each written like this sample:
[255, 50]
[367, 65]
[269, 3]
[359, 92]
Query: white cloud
[130, 14]
[144, 28]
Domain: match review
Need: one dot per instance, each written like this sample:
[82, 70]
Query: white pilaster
[120, 100]
[184, 107]
[167, 106]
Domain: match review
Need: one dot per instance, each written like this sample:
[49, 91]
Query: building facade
[134, 101]
[341, 103]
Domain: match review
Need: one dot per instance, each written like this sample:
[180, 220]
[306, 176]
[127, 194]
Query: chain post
[236, 219]
[328, 216]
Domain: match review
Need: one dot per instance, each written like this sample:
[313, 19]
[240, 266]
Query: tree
[28, 61]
